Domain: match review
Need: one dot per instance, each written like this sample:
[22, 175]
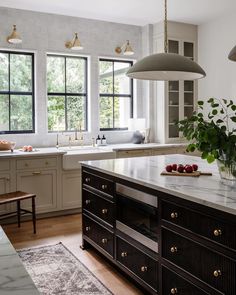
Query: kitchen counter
[133, 146]
[14, 279]
[38, 152]
[205, 190]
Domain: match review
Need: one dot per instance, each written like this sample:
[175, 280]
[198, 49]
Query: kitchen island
[171, 234]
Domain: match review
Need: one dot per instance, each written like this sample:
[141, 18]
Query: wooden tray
[193, 174]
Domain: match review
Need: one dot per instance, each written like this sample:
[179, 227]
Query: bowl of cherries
[180, 168]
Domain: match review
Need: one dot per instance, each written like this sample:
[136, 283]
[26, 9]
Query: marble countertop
[205, 190]
[14, 279]
[48, 151]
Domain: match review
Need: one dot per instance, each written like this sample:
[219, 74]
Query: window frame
[113, 95]
[9, 92]
[65, 94]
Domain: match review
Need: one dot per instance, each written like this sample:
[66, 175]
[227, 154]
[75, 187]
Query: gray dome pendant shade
[166, 66]
[232, 54]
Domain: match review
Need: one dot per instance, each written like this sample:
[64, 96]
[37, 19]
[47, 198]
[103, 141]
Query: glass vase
[227, 169]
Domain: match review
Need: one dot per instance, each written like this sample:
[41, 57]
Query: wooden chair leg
[18, 213]
[34, 214]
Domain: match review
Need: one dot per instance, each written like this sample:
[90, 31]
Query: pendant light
[126, 48]
[166, 66]
[232, 54]
[74, 44]
[14, 38]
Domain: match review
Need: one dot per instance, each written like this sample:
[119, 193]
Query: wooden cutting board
[193, 174]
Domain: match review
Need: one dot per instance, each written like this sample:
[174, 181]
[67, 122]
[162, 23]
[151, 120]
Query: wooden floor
[67, 229]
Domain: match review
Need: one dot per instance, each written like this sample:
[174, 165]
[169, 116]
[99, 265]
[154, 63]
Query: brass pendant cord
[165, 29]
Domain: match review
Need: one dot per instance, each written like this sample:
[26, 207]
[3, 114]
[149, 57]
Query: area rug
[55, 270]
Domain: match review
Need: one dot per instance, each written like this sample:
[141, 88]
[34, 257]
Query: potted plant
[214, 134]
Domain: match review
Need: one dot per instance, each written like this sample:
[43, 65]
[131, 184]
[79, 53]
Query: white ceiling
[136, 12]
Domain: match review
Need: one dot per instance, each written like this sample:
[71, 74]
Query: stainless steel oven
[137, 215]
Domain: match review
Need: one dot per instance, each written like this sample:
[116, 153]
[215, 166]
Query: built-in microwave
[137, 215]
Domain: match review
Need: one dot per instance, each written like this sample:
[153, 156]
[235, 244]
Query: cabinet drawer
[137, 262]
[215, 230]
[36, 163]
[99, 183]
[134, 153]
[99, 206]
[216, 270]
[172, 283]
[98, 234]
[4, 165]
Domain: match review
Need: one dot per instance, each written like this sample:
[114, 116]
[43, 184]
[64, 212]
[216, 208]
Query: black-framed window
[67, 92]
[17, 113]
[115, 94]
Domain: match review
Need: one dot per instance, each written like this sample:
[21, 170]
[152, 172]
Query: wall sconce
[74, 44]
[14, 38]
[232, 54]
[126, 48]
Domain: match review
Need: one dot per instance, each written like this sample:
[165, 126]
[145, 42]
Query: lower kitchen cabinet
[4, 188]
[71, 190]
[42, 183]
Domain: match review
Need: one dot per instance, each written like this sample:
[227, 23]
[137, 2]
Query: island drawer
[36, 163]
[206, 226]
[4, 165]
[97, 205]
[172, 283]
[137, 262]
[99, 183]
[97, 233]
[207, 265]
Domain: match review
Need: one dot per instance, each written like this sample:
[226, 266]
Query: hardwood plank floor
[67, 229]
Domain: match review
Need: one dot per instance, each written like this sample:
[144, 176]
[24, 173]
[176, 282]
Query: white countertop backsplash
[205, 190]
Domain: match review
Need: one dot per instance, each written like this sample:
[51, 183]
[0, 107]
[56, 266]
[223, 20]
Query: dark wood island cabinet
[167, 244]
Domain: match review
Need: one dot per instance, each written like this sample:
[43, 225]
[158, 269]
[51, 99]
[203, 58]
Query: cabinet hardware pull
[87, 180]
[104, 186]
[36, 173]
[87, 228]
[87, 202]
[124, 254]
[46, 163]
[104, 211]
[173, 249]
[144, 268]
[26, 164]
[174, 291]
[217, 273]
[104, 241]
[174, 215]
[217, 232]
[7, 178]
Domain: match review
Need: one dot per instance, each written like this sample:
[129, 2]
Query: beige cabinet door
[43, 185]
[4, 188]
[71, 190]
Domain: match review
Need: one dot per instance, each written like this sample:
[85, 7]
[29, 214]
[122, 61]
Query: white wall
[215, 40]
[44, 33]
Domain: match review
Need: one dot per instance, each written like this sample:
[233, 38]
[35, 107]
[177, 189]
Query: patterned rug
[55, 270]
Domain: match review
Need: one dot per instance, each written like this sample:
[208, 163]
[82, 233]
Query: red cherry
[174, 167]
[188, 169]
[195, 167]
[180, 169]
[169, 168]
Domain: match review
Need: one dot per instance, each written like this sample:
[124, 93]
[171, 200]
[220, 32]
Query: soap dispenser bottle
[104, 140]
[98, 141]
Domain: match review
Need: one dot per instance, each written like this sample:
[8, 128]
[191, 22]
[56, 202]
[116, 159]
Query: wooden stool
[18, 197]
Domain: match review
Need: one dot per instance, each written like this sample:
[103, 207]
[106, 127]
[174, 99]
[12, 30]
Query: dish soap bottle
[104, 140]
[98, 141]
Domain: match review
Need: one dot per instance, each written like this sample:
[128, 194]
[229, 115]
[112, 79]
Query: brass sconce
[14, 38]
[126, 48]
[74, 44]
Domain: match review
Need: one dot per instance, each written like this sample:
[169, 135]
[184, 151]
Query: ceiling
[135, 12]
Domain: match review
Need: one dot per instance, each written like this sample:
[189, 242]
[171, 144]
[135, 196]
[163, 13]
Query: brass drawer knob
[46, 163]
[104, 241]
[144, 268]
[104, 211]
[174, 291]
[104, 186]
[124, 254]
[217, 232]
[26, 164]
[174, 215]
[217, 273]
[87, 180]
[87, 228]
[87, 202]
[173, 249]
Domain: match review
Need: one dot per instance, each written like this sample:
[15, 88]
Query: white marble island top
[14, 279]
[205, 190]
